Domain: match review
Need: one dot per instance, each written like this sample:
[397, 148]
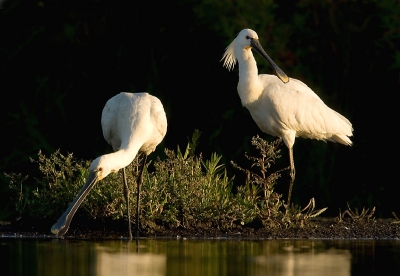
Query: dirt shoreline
[321, 228]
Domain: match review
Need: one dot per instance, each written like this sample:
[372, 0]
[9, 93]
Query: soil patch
[321, 228]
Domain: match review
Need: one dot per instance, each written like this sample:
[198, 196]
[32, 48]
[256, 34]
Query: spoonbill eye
[247, 37]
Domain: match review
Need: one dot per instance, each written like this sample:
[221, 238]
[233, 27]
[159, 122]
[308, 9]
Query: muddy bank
[321, 228]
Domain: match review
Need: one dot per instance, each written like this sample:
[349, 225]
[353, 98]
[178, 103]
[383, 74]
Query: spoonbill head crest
[241, 48]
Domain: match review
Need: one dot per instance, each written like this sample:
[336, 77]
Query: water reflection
[259, 258]
[119, 260]
[305, 261]
[199, 257]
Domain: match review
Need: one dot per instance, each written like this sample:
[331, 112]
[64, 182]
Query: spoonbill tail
[279, 106]
[132, 123]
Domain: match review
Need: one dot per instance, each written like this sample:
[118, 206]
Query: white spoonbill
[132, 123]
[279, 106]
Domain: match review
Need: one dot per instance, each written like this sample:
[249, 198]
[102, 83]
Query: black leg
[292, 174]
[139, 183]
[126, 192]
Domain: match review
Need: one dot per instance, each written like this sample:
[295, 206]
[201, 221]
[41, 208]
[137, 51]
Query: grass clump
[184, 190]
[365, 214]
[296, 216]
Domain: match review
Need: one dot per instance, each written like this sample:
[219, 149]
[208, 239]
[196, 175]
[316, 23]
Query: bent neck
[122, 158]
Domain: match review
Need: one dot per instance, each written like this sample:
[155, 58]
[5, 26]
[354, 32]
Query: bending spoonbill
[279, 106]
[132, 123]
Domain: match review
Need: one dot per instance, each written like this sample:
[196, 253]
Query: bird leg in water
[126, 192]
[138, 184]
[292, 174]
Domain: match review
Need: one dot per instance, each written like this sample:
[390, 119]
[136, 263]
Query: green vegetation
[183, 190]
[52, 53]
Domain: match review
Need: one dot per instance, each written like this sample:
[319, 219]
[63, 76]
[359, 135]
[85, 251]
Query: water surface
[199, 257]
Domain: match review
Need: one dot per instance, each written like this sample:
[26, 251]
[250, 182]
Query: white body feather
[286, 110]
[131, 123]
[279, 106]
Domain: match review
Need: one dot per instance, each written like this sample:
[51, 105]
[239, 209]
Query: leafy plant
[62, 178]
[258, 196]
[21, 194]
[187, 191]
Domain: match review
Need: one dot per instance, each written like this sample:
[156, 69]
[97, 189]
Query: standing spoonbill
[279, 106]
[132, 123]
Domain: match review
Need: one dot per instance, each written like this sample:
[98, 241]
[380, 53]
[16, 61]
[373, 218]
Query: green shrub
[183, 190]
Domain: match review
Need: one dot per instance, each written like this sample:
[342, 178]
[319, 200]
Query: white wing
[295, 107]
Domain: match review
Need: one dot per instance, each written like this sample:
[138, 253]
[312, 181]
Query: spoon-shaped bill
[62, 224]
[279, 73]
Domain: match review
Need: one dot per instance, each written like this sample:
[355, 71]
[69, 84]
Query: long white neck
[116, 160]
[129, 147]
[123, 157]
[249, 87]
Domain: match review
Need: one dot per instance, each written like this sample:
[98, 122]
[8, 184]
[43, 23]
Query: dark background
[60, 63]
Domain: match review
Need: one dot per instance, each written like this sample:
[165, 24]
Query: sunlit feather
[279, 106]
